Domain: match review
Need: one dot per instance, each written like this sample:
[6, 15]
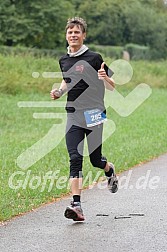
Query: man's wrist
[61, 91]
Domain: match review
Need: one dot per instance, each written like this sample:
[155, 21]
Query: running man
[85, 77]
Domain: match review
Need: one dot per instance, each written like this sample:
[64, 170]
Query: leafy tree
[37, 23]
[158, 37]
[147, 27]
[34, 23]
[118, 22]
[105, 21]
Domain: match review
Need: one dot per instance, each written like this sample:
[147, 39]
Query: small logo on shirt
[79, 68]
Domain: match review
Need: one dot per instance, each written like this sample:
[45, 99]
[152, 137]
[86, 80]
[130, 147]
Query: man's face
[75, 36]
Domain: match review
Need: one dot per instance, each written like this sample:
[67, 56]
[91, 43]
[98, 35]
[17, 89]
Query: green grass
[16, 74]
[137, 138]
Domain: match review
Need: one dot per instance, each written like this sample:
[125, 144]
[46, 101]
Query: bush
[108, 51]
[138, 52]
[20, 50]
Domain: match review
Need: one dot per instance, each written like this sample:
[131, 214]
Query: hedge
[138, 52]
[19, 50]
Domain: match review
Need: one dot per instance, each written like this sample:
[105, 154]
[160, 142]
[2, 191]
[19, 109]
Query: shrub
[138, 52]
[20, 50]
[108, 51]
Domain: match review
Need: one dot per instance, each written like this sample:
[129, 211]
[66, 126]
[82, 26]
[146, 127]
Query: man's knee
[76, 160]
[75, 165]
[99, 163]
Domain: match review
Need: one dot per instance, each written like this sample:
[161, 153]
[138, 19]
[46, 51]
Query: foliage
[110, 22]
[115, 52]
[34, 23]
[27, 51]
[119, 22]
[138, 52]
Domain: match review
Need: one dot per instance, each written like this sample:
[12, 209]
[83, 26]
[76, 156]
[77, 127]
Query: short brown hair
[71, 22]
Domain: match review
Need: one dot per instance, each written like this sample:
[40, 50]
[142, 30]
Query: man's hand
[55, 94]
[101, 72]
[108, 82]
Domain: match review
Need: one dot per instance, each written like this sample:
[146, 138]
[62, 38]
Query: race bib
[94, 117]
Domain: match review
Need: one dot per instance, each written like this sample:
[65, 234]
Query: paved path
[108, 226]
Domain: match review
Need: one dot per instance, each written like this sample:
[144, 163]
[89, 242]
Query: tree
[38, 23]
[105, 21]
[34, 23]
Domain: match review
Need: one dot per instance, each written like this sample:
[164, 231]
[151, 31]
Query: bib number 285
[94, 117]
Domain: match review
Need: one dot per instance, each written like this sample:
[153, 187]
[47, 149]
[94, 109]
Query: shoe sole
[114, 187]
[71, 214]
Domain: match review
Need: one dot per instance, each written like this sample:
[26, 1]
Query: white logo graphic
[124, 106]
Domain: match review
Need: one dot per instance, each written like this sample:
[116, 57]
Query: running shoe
[74, 212]
[113, 181]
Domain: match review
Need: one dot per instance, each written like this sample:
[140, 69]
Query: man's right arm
[57, 93]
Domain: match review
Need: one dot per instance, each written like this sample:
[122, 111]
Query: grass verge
[137, 138]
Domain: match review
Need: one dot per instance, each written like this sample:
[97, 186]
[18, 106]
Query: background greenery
[138, 137]
[41, 24]
[32, 37]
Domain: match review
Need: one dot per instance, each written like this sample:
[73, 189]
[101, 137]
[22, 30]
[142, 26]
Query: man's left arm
[108, 81]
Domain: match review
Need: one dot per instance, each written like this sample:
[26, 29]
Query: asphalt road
[133, 219]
